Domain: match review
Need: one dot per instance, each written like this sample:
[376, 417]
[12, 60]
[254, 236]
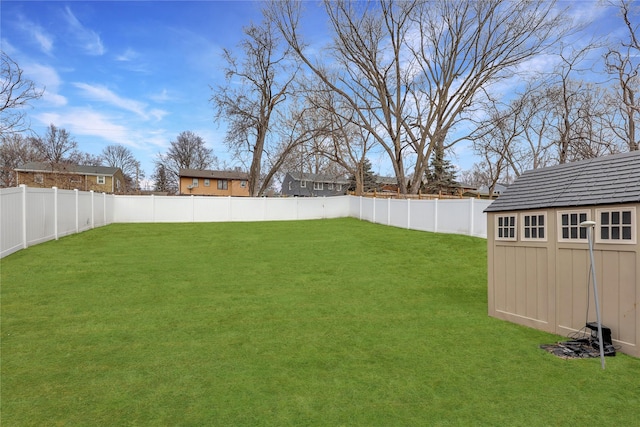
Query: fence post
[55, 212]
[77, 211]
[153, 208]
[373, 215]
[24, 216]
[93, 210]
[471, 216]
[435, 215]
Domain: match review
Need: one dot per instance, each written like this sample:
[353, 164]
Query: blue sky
[138, 73]
[131, 73]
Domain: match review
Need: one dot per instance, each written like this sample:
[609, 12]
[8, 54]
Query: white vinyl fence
[29, 216]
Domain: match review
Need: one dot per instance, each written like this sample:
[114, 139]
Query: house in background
[213, 183]
[69, 177]
[538, 255]
[313, 185]
[498, 189]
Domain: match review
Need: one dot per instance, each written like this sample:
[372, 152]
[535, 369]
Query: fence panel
[423, 215]
[84, 209]
[211, 209]
[66, 213]
[40, 215]
[398, 212]
[281, 209]
[12, 214]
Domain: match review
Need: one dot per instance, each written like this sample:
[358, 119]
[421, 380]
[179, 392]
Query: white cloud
[89, 39]
[127, 55]
[47, 77]
[37, 33]
[86, 121]
[103, 94]
[158, 114]
[161, 97]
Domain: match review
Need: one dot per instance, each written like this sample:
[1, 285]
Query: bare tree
[57, 146]
[188, 151]
[621, 64]
[15, 94]
[256, 86]
[15, 151]
[119, 156]
[412, 70]
[338, 138]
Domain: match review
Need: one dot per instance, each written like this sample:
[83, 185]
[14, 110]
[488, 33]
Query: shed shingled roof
[604, 180]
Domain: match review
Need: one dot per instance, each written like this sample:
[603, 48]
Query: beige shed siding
[546, 285]
[521, 283]
[573, 273]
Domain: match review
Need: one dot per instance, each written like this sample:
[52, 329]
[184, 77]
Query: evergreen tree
[161, 181]
[441, 175]
[367, 176]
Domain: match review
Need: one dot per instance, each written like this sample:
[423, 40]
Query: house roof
[316, 177]
[213, 174]
[68, 168]
[604, 180]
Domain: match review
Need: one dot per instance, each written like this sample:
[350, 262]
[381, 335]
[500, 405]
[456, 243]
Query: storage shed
[538, 255]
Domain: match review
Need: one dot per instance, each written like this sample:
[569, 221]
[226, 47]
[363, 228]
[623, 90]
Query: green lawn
[334, 322]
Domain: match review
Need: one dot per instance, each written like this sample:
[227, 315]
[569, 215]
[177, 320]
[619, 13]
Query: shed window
[569, 223]
[616, 225]
[533, 226]
[506, 227]
[223, 184]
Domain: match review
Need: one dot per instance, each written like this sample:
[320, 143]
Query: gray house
[313, 185]
[538, 255]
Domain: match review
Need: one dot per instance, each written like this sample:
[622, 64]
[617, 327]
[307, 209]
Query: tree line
[413, 80]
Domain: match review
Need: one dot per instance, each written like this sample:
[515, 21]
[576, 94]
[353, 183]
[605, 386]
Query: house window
[194, 183]
[317, 185]
[616, 225]
[506, 227]
[533, 226]
[100, 180]
[223, 184]
[303, 184]
[207, 182]
[339, 187]
[38, 178]
[289, 185]
[243, 184]
[330, 186]
[569, 225]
